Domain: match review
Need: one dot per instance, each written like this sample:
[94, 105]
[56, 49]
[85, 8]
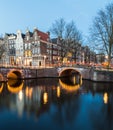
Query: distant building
[35, 48]
[28, 48]
[10, 43]
[19, 47]
[100, 58]
[38, 49]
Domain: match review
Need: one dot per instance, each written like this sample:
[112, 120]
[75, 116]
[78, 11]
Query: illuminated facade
[39, 50]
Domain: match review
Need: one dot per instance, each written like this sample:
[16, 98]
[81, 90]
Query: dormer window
[27, 38]
[35, 35]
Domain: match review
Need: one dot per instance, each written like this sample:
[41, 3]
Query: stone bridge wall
[102, 75]
[96, 74]
[29, 73]
[37, 73]
[87, 73]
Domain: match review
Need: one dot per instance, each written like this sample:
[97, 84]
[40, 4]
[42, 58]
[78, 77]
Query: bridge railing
[26, 67]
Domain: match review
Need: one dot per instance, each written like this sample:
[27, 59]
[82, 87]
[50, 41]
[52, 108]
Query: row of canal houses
[38, 49]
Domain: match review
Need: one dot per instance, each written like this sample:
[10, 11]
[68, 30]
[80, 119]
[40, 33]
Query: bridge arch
[68, 71]
[15, 74]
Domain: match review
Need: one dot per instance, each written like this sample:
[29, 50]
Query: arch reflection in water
[71, 83]
[15, 86]
[1, 86]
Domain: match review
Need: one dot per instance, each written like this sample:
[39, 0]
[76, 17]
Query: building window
[38, 51]
[27, 38]
[35, 36]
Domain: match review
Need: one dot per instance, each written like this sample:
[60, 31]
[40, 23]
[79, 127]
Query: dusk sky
[23, 14]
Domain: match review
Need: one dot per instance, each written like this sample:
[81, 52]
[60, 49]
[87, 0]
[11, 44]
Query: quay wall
[102, 75]
[98, 75]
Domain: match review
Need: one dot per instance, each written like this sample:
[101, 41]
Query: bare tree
[58, 28]
[72, 33]
[69, 36]
[73, 38]
[102, 31]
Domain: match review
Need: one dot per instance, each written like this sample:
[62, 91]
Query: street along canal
[53, 104]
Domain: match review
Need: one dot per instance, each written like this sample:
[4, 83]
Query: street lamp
[44, 60]
[20, 60]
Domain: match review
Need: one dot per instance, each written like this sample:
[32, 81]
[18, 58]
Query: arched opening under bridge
[67, 72]
[70, 79]
[14, 74]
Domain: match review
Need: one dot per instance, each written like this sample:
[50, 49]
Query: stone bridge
[23, 73]
[26, 73]
[85, 72]
[97, 74]
[68, 71]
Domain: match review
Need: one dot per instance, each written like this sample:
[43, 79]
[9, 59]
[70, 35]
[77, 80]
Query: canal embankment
[97, 74]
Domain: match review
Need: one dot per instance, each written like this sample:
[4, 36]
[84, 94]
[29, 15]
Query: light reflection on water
[58, 104]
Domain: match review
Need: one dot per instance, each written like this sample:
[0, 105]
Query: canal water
[56, 104]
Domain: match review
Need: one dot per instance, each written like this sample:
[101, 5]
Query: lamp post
[58, 61]
[20, 60]
[44, 61]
